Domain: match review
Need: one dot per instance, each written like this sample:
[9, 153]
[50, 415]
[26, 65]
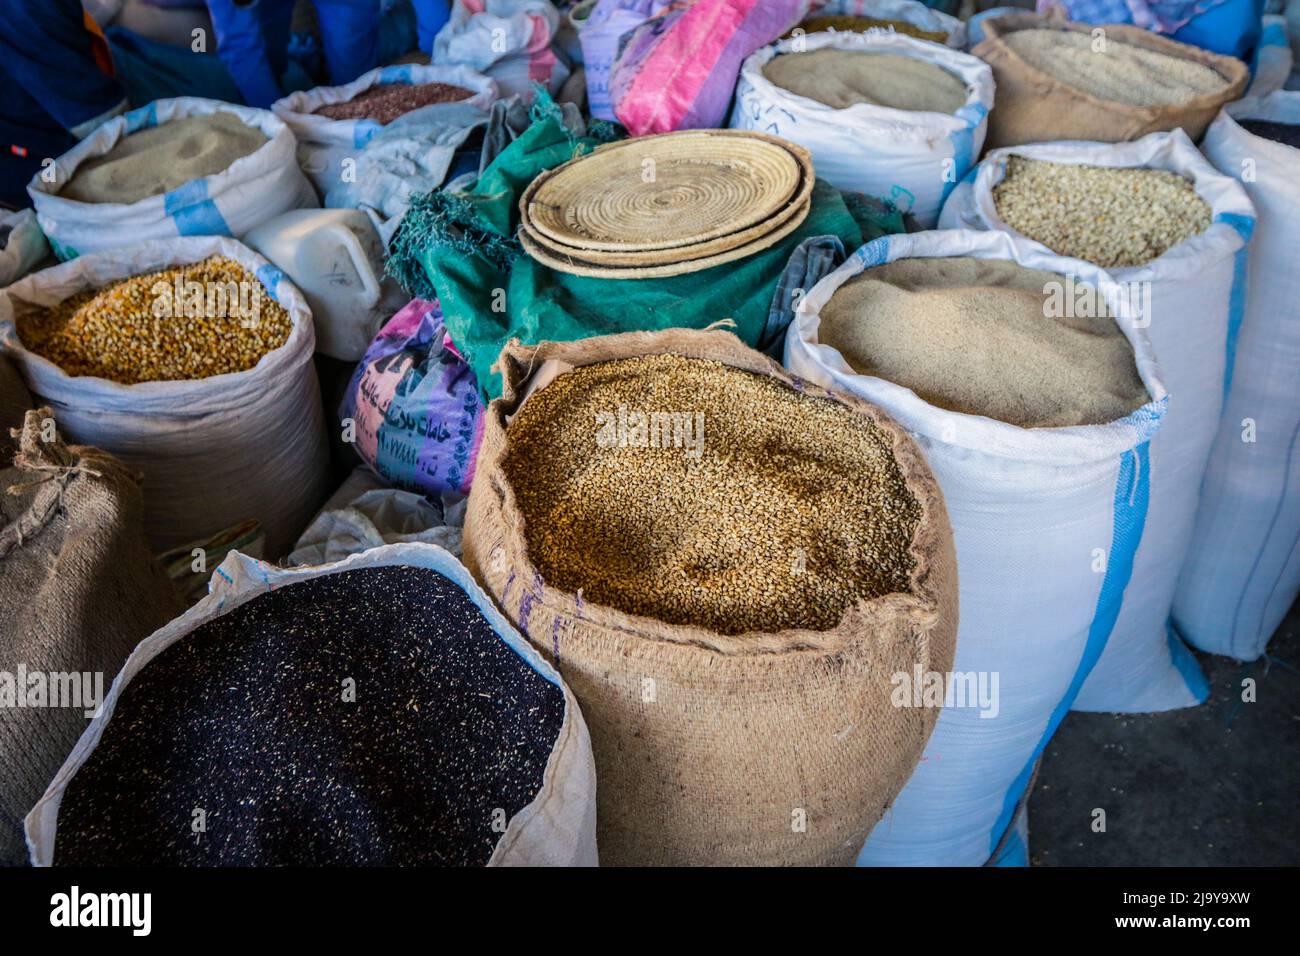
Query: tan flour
[160, 158]
[843, 78]
[972, 335]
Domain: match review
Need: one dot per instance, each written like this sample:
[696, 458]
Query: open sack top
[1060, 445]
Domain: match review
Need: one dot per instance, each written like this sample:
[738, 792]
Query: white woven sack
[213, 451]
[909, 157]
[1273, 60]
[1031, 509]
[23, 248]
[1243, 564]
[324, 143]
[1196, 293]
[557, 829]
[250, 191]
[496, 36]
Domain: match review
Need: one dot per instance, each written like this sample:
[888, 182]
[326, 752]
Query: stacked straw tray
[666, 205]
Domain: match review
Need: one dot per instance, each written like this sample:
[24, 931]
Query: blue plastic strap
[193, 212]
[1132, 494]
[1245, 226]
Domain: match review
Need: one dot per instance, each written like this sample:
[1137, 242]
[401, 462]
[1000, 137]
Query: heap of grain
[1113, 217]
[979, 336]
[727, 566]
[841, 78]
[183, 323]
[158, 159]
[694, 506]
[247, 717]
[1115, 71]
[385, 102]
[846, 23]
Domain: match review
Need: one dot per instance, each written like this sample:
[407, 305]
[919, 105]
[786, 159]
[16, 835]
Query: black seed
[244, 718]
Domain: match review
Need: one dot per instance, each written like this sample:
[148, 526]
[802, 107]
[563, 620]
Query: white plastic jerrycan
[336, 258]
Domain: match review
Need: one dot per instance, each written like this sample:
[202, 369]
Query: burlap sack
[15, 401]
[78, 590]
[1033, 107]
[762, 748]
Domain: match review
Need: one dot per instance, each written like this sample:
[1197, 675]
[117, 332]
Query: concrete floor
[1215, 785]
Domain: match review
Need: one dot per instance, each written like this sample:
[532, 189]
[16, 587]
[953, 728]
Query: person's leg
[349, 34]
[277, 26]
[430, 17]
[243, 48]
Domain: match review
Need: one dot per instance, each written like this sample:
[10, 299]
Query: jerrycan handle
[361, 263]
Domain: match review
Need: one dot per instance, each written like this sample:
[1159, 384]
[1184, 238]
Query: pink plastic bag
[679, 69]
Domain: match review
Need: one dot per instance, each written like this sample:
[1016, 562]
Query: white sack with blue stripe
[213, 451]
[324, 143]
[1192, 299]
[911, 158]
[1243, 566]
[251, 190]
[1046, 523]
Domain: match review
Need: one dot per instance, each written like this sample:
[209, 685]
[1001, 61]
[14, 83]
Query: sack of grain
[1109, 84]
[221, 191]
[64, 635]
[909, 17]
[1193, 294]
[324, 143]
[911, 156]
[1243, 568]
[22, 244]
[476, 756]
[214, 451]
[731, 742]
[509, 40]
[1046, 519]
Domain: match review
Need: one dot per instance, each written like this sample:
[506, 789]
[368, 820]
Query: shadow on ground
[1215, 785]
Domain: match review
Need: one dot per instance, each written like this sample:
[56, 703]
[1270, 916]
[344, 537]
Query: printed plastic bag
[415, 405]
[602, 38]
[678, 70]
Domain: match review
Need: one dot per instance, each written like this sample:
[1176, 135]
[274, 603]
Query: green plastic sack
[460, 247]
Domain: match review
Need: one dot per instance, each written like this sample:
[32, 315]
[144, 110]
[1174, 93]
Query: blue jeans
[253, 41]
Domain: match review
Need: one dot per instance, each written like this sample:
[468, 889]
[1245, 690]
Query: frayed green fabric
[462, 249]
[443, 219]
